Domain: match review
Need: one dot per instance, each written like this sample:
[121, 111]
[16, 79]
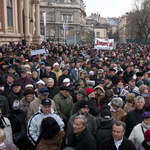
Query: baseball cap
[46, 101]
[43, 91]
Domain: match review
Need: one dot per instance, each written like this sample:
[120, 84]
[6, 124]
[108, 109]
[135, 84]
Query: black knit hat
[106, 114]
[15, 84]
[84, 104]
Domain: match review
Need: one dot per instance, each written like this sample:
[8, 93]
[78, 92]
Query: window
[67, 17]
[52, 17]
[42, 31]
[9, 12]
[97, 34]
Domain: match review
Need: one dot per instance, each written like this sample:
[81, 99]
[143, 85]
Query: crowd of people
[75, 97]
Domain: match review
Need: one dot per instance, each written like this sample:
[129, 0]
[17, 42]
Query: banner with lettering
[104, 44]
[39, 51]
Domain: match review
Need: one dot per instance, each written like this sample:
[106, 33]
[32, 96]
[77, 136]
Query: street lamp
[31, 20]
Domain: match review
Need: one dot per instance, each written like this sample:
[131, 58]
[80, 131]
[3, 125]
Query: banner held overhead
[104, 44]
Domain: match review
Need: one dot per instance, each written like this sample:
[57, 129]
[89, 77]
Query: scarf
[144, 95]
[145, 126]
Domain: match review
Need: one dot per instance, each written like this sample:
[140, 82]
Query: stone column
[26, 15]
[5, 24]
[37, 19]
[15, 17]
[20, 17]
[32, 16]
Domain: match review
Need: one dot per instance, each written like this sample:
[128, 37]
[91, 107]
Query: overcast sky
[108, 8]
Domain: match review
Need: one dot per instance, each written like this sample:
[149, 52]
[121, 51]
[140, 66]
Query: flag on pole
[65, 26]
[44, 18]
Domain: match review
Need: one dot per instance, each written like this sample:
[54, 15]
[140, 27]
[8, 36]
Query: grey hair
[139, 98]
[50, 79]
[84, 119]
[48, 67]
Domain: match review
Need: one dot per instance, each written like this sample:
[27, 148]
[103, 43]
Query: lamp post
[24, 30]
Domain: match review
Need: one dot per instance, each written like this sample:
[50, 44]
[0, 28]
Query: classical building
[69, 14]
[122, 27]
[20, 20]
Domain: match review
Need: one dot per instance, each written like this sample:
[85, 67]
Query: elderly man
[34, 105]
[117, 141]
[64, 103]
[83, 110]
[17, 94]
[50, 74]
[134, 117]
[81, 138]
[51, 89]
[34, 123]
[24, 80]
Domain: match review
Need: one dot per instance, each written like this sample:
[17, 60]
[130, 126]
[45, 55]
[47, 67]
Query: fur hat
[130, 97]
[101, 87]
[142, 88]
[28, 91]
[27, 66]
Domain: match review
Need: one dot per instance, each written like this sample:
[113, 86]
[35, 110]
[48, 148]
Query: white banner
[104, 44]
[44, 18]
[39, 51]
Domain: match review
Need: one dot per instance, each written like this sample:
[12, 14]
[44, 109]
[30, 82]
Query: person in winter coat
[99, 93]
[64, 75]
[137, 134]
[134, 117]
[115, 108]
[117, 140]
[51, 88]
[50, 135]
[105, 129]
[93, 101]
[100, 77]
[81, 138]
[144, 93]
[129, 105]
[83, 83]
[146, 143]
[17, 94]
[33, 129]
[107, 83]
[83, 110]
[114, 77]
[6, 126]
[4, 104]
[29, 96]
[57, 71]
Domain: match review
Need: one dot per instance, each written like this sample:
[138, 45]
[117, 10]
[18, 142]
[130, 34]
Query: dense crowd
[75, 97]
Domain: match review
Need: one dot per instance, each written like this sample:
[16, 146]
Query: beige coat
[34, 107]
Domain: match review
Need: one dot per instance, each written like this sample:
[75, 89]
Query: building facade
[20, 20]
[69, 14]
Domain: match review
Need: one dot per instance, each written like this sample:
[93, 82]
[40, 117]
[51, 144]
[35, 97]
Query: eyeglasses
[75, 125]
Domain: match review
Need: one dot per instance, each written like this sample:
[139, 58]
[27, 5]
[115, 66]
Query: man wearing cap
[35, 65]
[64, 75]
[81, 94]
[33, 129]
[117, 141]
[16, 94]
[107, 83]
[57, 71]
[132, 88]
[8, 83]
[83, 110]
[24, 80]
[64, 103]
[100, 77]
[34, 105]
[105, 128]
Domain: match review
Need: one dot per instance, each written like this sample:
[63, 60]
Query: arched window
[9, 12]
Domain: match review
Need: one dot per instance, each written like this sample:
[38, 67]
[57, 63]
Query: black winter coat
[114, 79]
[52, 75]
[108, 144]
[133, 118]
[127, 76]
[104, 100]
[4, 105]
[104, 131]
[52, 92]
[85, 141]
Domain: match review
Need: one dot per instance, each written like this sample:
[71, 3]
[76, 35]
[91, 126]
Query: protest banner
[104, 44]
[39, 51]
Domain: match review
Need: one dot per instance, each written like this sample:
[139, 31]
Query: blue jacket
[73, 74]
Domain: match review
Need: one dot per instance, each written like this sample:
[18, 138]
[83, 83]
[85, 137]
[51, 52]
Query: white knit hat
[56, 64]
[40, 82]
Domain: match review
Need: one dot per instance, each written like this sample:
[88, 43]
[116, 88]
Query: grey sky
[108, 8]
